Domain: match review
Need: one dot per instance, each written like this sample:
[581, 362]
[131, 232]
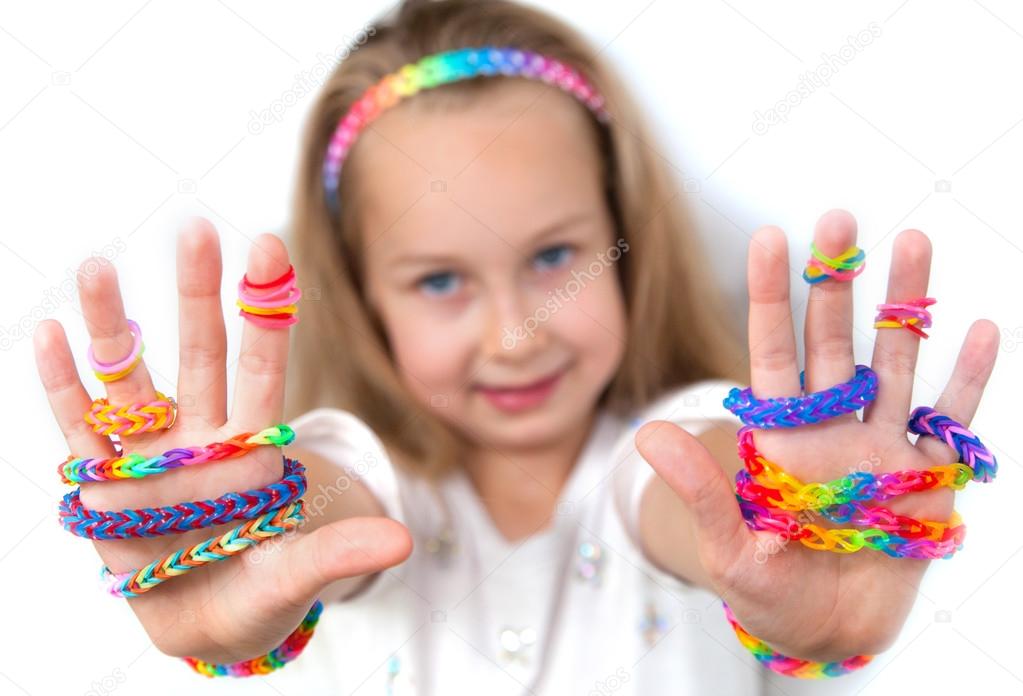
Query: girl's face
[489, 257]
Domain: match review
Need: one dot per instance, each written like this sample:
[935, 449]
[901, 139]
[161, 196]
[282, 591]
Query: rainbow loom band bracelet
[287, 651]
[183, 517]
[133, 583]
[844, 267]
[444, 68]
[793, 411]
[79, 469]
[275, 303]
[791, 666]
[924, 420]
[762, 481]
[942, 545]
[112, 371]
[140, 417]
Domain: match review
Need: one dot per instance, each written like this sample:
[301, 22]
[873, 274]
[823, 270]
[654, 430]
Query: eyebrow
[542, 234]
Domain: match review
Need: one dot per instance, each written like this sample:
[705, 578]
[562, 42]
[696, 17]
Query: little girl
[506, 389]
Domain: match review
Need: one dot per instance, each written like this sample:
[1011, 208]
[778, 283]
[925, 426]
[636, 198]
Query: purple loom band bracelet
[794, 411]
[926, 421]
[182, 517]
[110, 368]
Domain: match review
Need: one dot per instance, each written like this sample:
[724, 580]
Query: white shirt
[574, 609]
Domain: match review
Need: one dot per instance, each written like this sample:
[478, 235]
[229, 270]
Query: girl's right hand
[244, 606]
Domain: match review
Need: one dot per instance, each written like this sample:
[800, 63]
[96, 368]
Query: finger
[202, 373]
[111, 337]
[698, 479]
[896, 350]
[343, 549]
[965, 387]
[827, 335]
[773, 368]
[64, 390]
[262, 362]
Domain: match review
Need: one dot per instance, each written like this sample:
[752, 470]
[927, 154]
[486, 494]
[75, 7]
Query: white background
[118, 120]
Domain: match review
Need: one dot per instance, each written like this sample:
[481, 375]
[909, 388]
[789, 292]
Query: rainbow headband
[443, 68]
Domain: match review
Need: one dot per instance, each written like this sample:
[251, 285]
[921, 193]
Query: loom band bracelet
[136, 582]
[792, 666]
[793, 411]
[140, 417]
[287, 651]
[924, 420]
[884, 519]
[182, 517]
[135, 466]
[111, 371]
[848, 541]
[778, 489]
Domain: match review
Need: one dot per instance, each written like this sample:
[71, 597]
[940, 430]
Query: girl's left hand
[806, 603]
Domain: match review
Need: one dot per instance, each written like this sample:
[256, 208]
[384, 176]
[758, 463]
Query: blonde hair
[340, 357]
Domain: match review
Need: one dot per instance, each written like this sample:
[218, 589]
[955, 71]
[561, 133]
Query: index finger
[773, 368]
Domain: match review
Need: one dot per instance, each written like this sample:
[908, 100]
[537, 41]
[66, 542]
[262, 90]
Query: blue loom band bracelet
[794, 411]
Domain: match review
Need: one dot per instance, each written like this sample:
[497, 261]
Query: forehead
[504, 162]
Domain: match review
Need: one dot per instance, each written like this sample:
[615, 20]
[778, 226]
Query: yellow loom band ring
[113, 377]
[290, 309]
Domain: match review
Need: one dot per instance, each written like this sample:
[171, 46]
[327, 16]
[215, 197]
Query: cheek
[430, 360]
[592, 320]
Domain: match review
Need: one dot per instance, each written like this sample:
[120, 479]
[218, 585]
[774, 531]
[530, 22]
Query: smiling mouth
[537, 384]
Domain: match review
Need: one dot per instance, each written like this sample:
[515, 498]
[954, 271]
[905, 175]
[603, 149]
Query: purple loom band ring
[110, 368]
[794, 411]
[926, 421]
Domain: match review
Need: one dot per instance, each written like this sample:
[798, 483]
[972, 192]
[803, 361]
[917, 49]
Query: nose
[515, 325]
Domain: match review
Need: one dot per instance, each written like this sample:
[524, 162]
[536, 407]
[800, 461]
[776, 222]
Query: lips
[527, 396]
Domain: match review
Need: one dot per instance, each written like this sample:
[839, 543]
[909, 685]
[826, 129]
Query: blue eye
[437, 283]
[554, 256]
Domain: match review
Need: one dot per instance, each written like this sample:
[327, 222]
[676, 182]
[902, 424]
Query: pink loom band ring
[284, 296]
[123, 365]
[268, 323]
[280, 280]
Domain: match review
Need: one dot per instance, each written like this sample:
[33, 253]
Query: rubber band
[140, 417]
[791, 666]
[792, 411]
[944, 541]
[273, 660]
[911, 315]
[444, 68]
[844, 267]
[924, 420]
[112, 371]
[182, 517]
[134, 466]
[135, 582]
[274, 305]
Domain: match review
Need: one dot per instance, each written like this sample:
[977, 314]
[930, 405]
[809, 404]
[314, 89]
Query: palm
[242, 606]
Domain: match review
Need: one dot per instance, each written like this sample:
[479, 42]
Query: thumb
[697, 478]
[344, 549]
